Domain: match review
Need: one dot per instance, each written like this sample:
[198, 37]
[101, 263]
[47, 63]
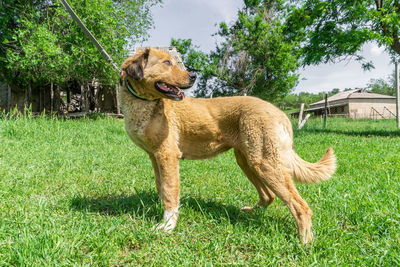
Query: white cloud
[227, 9]
[376, 50]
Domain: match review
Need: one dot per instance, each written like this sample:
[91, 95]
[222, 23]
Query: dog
[169, 127]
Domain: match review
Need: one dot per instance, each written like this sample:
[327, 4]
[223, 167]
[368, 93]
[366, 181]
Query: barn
[357, 103]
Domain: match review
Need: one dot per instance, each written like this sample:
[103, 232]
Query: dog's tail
[311, 173]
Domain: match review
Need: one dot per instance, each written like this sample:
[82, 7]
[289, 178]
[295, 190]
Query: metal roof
[169, 49]
[329, 106]
[356, 93]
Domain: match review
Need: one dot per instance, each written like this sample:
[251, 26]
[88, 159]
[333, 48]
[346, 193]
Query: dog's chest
[138, 116]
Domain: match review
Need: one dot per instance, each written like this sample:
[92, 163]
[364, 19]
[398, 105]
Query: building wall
[362, 108]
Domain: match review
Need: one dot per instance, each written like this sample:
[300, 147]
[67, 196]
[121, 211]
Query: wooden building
[355, 104]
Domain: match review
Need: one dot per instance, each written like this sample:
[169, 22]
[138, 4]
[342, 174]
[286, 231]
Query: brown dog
[196, 128]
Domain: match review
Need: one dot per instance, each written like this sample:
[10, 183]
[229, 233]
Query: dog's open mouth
[170, 91]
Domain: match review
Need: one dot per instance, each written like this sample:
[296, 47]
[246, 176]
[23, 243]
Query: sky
[198, 20]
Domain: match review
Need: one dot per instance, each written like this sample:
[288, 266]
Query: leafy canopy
[331, 30]
[39, 41]
[384, 86]
[254, 57]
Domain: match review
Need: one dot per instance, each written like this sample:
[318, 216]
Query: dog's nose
[192, 76]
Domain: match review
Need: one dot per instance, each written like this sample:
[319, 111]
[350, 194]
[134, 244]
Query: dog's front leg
[168, 164]
[156, 174]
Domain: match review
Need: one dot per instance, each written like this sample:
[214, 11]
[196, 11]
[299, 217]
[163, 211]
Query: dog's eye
[168, 62]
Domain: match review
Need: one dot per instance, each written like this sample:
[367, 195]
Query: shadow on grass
[145, 203]
[113, 205]
[223, 213]
[363, 133]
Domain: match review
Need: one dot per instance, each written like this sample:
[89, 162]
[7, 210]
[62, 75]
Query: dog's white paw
[169, 222]
[164, 226]
[247, 208]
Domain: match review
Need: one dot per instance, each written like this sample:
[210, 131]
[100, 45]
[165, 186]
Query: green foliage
[254, 56]
[79, 192]
[39, 41]
[383, 86]
[331, 30]
[192, 57]
[293, 101]
[203, 63]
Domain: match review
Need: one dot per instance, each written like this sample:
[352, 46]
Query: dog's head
[155, 74]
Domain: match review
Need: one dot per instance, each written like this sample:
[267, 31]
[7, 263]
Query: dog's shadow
[115, 205]
[147, 203]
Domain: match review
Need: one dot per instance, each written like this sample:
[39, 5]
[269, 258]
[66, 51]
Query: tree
[383, 86]
[254, 57]
[203, 63]
[293, 101]
[332, 30]
[40, 43]
[192, 57]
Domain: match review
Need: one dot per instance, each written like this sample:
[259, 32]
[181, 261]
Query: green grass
[80, 192]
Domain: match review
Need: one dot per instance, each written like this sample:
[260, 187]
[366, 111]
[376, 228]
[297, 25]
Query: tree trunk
[56, 99]
[51, 97]
[87, 98]
[82, 104]
[29, 98]
[41, 104]
[8, 98]
[68, 98]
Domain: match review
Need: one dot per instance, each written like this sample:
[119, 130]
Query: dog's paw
[169, 222]
[247, 209]
[164, 226]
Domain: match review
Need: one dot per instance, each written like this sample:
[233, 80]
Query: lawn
[77, 192]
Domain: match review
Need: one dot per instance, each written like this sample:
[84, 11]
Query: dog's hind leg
[265, 194]
[280, 182]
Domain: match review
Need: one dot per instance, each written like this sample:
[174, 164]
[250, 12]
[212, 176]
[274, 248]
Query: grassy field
[80, 192]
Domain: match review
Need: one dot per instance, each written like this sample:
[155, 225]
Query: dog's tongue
[163, 87]
[171, 89]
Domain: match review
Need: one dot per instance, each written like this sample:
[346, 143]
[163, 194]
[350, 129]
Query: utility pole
[396, 64]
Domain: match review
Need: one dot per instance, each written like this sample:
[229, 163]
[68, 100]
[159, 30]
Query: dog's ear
[135, 68]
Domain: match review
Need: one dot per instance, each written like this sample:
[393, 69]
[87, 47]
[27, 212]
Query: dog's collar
[130, 87]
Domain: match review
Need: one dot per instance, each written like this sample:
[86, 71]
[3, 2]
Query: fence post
[304, 121]
[117, 96]
[326, 109]
[300, 114]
